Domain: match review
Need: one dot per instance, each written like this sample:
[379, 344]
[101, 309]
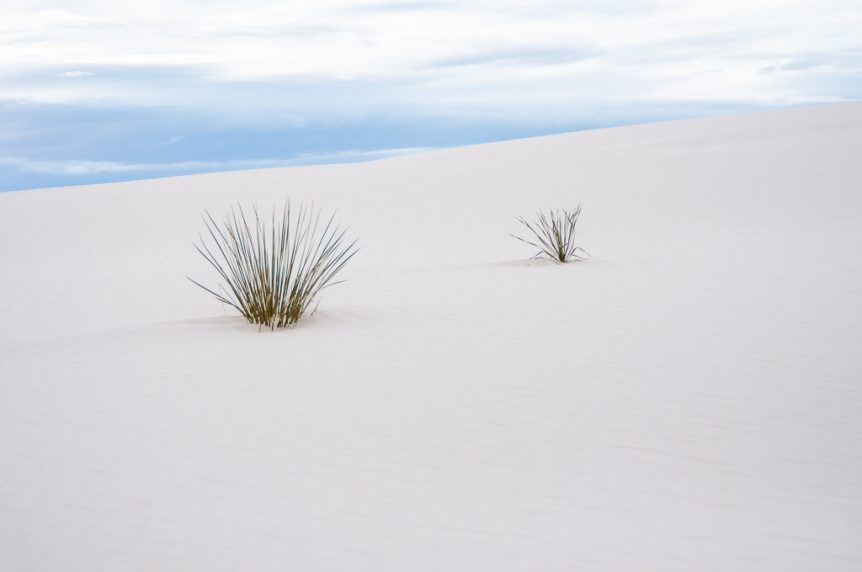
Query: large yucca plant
[272, 273]
[554, 233]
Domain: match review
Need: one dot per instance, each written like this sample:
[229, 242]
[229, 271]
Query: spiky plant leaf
[273, 272]
[554, 234]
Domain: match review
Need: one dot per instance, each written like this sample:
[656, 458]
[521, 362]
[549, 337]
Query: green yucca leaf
[554, 234]
[273, 268]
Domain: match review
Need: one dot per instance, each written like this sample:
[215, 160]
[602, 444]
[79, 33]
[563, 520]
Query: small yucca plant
[273, 273]
[555, 235]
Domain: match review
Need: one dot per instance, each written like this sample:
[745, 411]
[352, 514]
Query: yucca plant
[272, 273]
[554, 233]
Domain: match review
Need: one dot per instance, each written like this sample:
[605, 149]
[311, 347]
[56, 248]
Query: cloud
[851, 62]
[87, 168]
[413, 40]
[528, 55]
[21, 173]
[395, 7]
[74, 74]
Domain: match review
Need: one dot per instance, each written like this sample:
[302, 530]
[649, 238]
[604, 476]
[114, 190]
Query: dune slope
[689, 399]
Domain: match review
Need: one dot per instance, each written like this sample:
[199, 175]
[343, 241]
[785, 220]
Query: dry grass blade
[272, 271]
[554, 234]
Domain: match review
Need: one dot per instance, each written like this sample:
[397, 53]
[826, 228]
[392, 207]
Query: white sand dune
[689, 399]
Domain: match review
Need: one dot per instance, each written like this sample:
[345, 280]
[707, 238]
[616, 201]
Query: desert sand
[688, 399]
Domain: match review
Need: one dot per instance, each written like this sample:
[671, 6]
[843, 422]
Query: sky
[96, 90]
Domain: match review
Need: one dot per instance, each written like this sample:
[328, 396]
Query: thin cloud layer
[411, 40]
